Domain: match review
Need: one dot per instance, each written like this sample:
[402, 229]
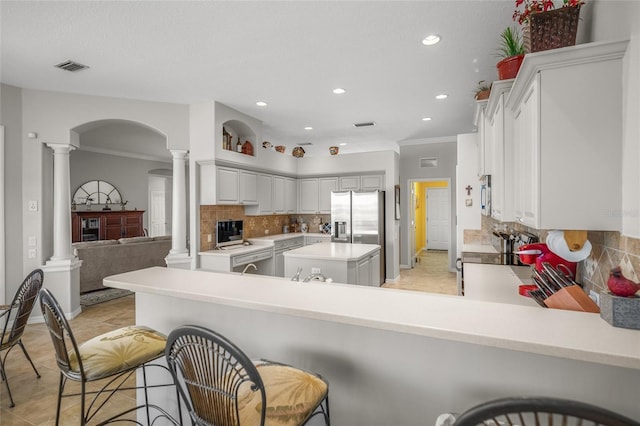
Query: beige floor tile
[430, 274]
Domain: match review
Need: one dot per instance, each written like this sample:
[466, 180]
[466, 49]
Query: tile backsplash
[254, 226]
[609, 249]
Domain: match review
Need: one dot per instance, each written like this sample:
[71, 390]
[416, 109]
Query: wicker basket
[551, 29]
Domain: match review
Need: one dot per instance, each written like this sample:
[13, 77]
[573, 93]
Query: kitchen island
[342, 262]
[397, 357]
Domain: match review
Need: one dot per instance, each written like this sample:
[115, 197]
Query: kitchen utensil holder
[620, 311]
[571, 298]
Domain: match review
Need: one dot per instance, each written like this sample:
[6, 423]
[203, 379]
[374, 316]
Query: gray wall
[410, 155]
[129, 175]
[11, 118]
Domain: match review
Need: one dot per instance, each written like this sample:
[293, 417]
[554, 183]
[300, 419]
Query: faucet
[315, 276]
[250, 265]
[296, 277]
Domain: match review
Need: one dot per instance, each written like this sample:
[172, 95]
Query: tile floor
[430, 274]
[36, 398]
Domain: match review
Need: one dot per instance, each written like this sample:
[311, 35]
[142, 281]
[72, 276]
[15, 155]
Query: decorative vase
[508, 67]
[483, 94]
[298, 152]
[551, 29]
[333, 150]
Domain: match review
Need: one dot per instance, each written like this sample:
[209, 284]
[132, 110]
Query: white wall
[469, 217]
[128, 175]
[444, 150]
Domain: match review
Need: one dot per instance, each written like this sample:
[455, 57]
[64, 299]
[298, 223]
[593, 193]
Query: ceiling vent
[305, 144]
[367, 124]
[70, 65]
[429, 162]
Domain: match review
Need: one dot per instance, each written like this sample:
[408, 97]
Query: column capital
[60, 147]
[178, 153]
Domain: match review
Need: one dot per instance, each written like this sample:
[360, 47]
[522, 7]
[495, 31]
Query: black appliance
[228, 233]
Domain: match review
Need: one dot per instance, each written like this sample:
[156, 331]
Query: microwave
[485, 195]
[229, 232]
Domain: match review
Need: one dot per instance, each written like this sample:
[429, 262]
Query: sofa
[108, 257]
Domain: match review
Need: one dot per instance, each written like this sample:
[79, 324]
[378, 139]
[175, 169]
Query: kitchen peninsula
[394, 356]
[342, 262]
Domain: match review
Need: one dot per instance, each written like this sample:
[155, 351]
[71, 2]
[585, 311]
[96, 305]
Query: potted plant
[546, 27]
[512, 52]
[483, 91]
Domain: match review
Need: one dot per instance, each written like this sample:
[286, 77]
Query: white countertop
[343, 252]
[279, 237]
[496, 283]
[553, 332]
[234, 250]
[479, 248]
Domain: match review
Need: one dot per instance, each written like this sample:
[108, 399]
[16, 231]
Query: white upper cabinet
[248, 187]
[371, 182]
[291, 195]
[227, 185]
[315, 195]
[279, 195]
[567, 108]
[349, 183]
[480, 122]
[265, 194]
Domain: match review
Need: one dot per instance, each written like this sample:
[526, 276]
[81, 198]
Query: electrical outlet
[32, 241]
[33, 206]
[266, 232]
[32, 253]
[209, 238]
[595, 297]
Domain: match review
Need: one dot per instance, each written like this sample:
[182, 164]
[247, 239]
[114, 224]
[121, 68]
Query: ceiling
[290, 54]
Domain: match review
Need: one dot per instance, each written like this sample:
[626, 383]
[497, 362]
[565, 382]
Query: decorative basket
[551, 29]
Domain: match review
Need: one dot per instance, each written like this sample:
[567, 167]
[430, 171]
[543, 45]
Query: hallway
[429, 275]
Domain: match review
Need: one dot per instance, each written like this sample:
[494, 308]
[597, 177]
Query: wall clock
[97, 192]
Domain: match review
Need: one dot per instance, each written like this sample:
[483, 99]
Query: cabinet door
[291, 195]
[265, 193]
[497, 174]
[279, 197]
[325, 187]
[248, 187]
[227, 186]
[376, 270]
[112, 226]
[308, 196]
[279, 264]
[481, 144]
[369, 183]
[132, 223]
[349, 183]
[530, 158]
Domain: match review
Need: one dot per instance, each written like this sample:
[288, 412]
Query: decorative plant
[511, 43]
[482, 92]
[537, 6]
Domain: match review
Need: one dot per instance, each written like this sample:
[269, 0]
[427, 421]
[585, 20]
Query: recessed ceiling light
[442, 96]
[308, 128]
[426, 118]
[431, 39]
[339, 91]
[261, 103]
[342, 144]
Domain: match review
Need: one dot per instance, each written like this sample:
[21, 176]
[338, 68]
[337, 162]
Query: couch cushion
[162, 238]
[86, 244]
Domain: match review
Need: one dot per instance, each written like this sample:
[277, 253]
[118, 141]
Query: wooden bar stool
[221, 386]
[112, 356]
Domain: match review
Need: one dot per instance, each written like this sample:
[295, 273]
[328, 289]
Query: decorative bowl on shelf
[333, 150]
[266, 144]
[281, 149]
[298, 152]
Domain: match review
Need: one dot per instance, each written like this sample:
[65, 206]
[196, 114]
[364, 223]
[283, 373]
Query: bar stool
[114, 356]
[16, 316]
[221, 386]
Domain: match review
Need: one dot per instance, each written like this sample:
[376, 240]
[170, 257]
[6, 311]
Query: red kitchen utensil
[545, 255]
[524, 289]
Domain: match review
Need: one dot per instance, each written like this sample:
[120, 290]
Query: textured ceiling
[290, 54]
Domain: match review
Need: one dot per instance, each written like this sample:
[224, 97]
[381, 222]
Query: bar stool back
[114, 356]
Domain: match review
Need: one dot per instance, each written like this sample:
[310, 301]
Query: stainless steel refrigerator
[357, 217]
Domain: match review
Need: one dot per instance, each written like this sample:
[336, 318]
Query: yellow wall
[419, 190]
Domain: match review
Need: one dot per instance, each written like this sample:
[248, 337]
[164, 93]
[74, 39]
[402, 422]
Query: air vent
[367, 124]
[305, 144]
[72, 66]
[429, 162]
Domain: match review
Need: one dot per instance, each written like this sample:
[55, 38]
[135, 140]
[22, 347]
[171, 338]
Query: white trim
[125, 154]
[2, 234]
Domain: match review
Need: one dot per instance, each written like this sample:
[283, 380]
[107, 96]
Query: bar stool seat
[117, 351]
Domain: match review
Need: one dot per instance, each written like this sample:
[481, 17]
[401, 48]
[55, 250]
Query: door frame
[411, 241]
[2, 234]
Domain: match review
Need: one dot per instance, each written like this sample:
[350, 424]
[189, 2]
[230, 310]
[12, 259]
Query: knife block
[573, 299]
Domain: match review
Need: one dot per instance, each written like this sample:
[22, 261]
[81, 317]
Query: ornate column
[62, 270]
[179, 254]
[61, 202]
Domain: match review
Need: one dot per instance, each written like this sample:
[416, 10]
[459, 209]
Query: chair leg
[6, 382]
[24, 350]
[146, 393]
[60, 390]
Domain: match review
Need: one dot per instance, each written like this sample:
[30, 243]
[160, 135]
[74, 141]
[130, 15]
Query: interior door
[158, 214]
[437, 226]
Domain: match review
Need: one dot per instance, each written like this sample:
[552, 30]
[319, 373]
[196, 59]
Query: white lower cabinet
[368, 272]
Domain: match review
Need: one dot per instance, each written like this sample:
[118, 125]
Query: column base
[178, 260]
[62, 277]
